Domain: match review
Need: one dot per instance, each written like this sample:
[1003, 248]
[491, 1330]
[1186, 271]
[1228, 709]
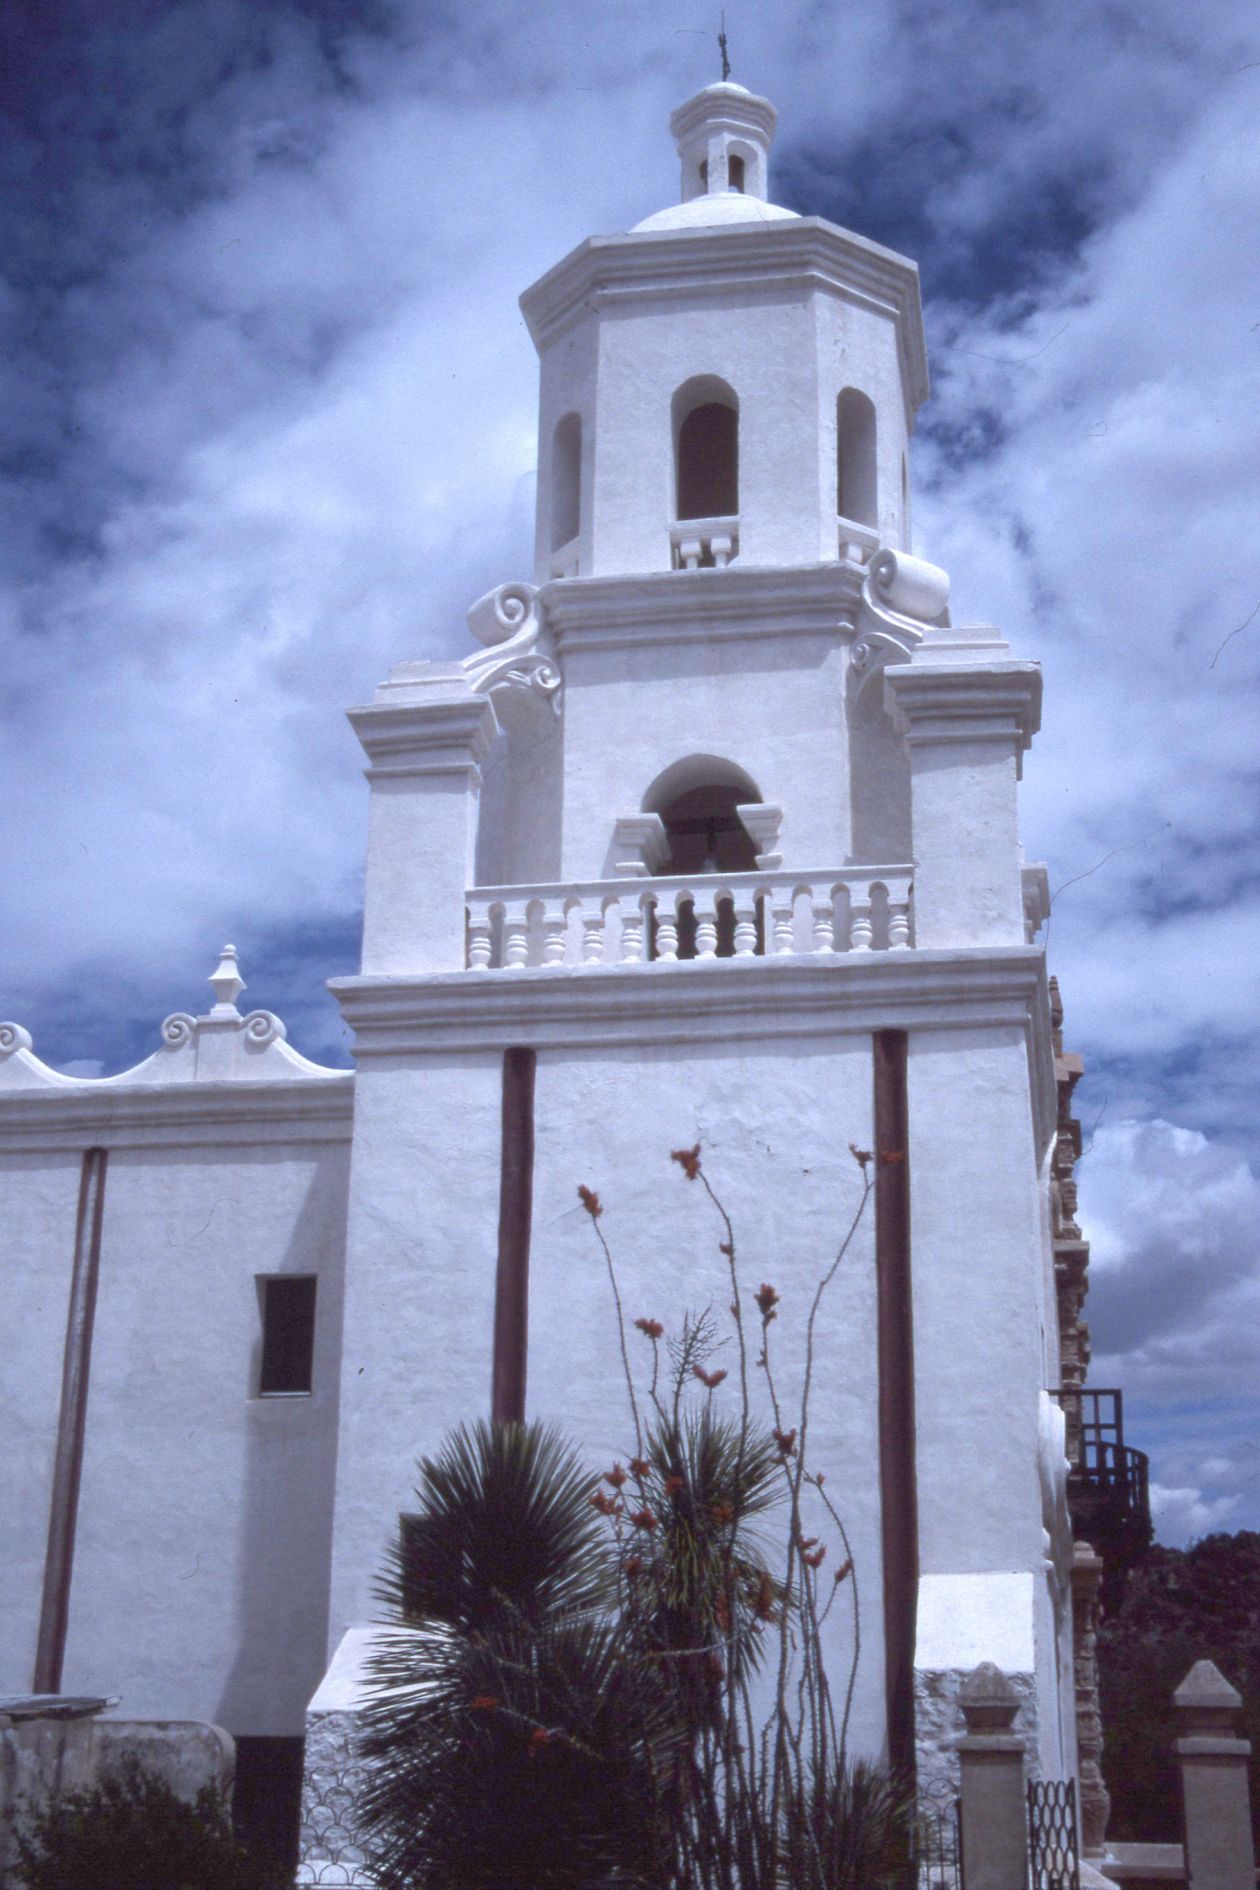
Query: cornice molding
[774, 258]
[727, 1002]
[670, 607]
[425, 736]
[931, 703]
[192, 1117]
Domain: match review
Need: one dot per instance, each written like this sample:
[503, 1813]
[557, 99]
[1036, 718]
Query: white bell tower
[730, 380]
[714, 839]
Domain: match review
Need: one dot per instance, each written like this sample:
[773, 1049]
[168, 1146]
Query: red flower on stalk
[652, 1327]
[639, 1467]
[786, 1440]
[604, 1504]
[815, 1560]
[722, 1512]
[688, 1160]
[767, 1300]
[590, 1201]
[673, 1484]
[616, 1476]
[709, 1379]
[845, 1569]
[763, 1604]
[643, 1518]
[862, 1156]
[633, 1565]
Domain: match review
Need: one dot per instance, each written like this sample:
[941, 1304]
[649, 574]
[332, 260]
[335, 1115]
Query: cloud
[1183, 1516]
[1174, 1312]
[1172, 1220]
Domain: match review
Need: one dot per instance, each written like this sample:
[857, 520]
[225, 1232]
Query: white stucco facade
[528, 887]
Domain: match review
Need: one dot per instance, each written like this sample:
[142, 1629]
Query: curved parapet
[219, 1046]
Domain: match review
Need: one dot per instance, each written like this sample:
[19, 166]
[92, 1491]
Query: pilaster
[966, 726]
[1087, 1573]
[425, 734]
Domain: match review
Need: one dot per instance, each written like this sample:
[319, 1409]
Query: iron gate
[1052, 1845]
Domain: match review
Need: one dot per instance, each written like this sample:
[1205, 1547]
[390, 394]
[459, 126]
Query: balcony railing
[736, 915]
[704, 543]
[1108, 1481]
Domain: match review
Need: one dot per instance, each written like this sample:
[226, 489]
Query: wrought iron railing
[1052, 1840]
[1105, 1471]
[938, 1858]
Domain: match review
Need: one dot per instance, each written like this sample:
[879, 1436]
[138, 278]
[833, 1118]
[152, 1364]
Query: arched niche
[566, 480]
[706, 448]
[857, 495]
[696, 799]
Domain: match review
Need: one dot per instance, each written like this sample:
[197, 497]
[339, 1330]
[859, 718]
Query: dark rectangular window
[288, 1322]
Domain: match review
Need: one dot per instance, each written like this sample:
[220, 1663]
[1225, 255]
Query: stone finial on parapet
[989, 1702]
[1215, 1796]
[991, 1777]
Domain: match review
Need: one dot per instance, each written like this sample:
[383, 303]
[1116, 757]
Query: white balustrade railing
[696, 542]
[857, 544]
[707, 915]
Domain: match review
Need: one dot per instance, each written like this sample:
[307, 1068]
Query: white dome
[714, 211]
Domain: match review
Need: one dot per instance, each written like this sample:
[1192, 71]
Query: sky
[268, 428]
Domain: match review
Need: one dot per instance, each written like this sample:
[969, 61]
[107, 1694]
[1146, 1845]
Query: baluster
[592, 937]
[706, 924]
[667, 929]
[479, 942]
[861, 924]
[822, 923]
[632, 918]
[783, 923]
[898, 918]
[745, 925]
[555, 934]
[515, 938]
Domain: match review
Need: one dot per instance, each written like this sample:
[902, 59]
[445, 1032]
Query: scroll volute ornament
[902, 599]
[518, 653]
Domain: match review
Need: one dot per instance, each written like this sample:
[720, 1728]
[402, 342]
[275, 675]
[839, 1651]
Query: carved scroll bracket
[902, 599]
[518, 652]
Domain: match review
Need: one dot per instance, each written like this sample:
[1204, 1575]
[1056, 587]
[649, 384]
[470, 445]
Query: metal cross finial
[726, 64]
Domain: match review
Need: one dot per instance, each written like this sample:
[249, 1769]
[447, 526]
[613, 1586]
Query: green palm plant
[511, 1740]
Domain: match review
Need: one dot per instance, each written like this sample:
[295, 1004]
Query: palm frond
[503, 1517]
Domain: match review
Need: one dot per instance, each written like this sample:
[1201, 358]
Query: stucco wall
[422, 1235]
[200, 1572]
[772, 705]
[774, 1122]
[39, 1194]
